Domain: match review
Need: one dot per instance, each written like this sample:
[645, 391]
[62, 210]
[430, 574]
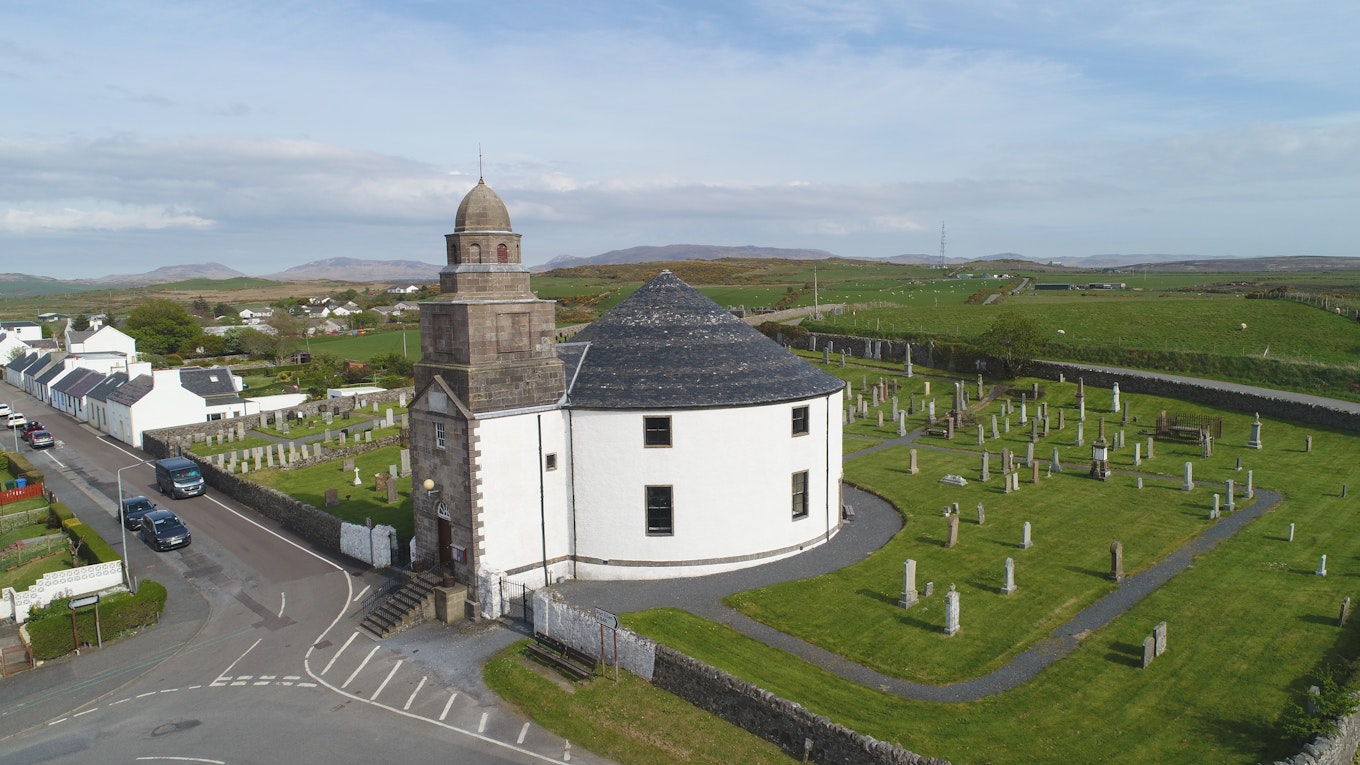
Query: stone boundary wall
[1223, 395]
[180, 438]
[800, 733]
[1336, 749]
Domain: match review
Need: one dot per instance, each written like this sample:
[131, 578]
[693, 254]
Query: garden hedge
[49, 628]
[93, 548]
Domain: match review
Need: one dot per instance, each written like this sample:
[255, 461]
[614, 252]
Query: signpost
[77, 603]
[610, 620]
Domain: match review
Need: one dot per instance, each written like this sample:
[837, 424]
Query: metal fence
[517, 600]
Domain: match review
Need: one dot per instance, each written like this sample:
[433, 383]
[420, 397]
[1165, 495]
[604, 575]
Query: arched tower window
[476, 253]
[502, 254]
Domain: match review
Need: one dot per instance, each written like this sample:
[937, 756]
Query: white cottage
[668, 439]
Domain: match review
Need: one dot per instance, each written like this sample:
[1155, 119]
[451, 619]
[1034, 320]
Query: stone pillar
[1254, 442]
[1009, 586]
[1117, 561]
[911, 463]
[953, 538]
[1189, 484]
[909, 596]
[1026, 541]
[951, 611]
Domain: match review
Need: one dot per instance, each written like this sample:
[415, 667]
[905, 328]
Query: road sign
[88, 600]
[607, 619]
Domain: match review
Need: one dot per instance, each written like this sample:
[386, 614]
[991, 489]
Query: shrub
[18, 467]
[49, 628]
[93, 548]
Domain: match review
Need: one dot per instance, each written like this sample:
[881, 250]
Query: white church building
[667, 439]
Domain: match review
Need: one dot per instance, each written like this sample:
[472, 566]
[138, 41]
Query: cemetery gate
[517, 601]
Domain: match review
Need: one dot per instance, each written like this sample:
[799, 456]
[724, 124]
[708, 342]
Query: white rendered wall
[514, 523]
[731, 472]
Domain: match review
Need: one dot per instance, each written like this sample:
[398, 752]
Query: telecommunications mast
[942, 260]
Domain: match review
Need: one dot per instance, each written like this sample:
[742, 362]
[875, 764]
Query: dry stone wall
[1336, 749]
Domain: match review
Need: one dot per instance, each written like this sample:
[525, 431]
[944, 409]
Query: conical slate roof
[669, 347]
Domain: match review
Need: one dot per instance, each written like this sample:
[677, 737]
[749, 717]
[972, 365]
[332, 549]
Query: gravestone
[392, 492]
[986, 466]
[930, 412]
[380, 482]
[1322, 567]
[1345, 612]
[1009, 586]
[980, 391]
[1114, 405]
[926, 392]
[1137, 454]
[1062, 419]
[1140, 482]
[328, 418]
[1125, 420]
[909, 596]
[405, 462]
[1291, 532]
[1213, 514]
[901, 424]
[906, 367]
[349, 465]
[1149, 651]
[1159, 637]
[1029, 454]
[953, 538]
[392, 471]
[930, 590]
[1232, 505]
[389, 420]
[268, 457]
[1026, 541]
[332, 497]
[1045, 426]
[1081, 434]
[1055, 464]
[1189, 484]
[327, 436]
[1251, 492]
[951, 611]
[1024, 410]
[401, 399]
[995, 434]
[911, 463]
[1007, 423]
[344, 437]
[1015, 481]
[1117, 561]
[286, 428]
[1034, 470]
[982, 514]
[842, 359]
[1307, 444]
[1149, 449]
[826, 356]
[981, 437]
[245, 466]
[1254, 442]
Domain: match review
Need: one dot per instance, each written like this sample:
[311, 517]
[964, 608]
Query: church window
[656, 431]
[439, 435]
[660, 511]
[800, 506]
[800, 421]
[476, 252]
[502, 254]
[550, 461]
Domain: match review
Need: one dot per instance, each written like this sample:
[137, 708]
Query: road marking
[447, 704]
[269, 677]
[144, 695]
[78, 714]
[481, 726]
[227, 671]
[59, 720]
[306, 685]
[386, 680]
[183, 759]
[362, 592]
[292, 677]
[522, 733]
[352, 635]
[120, 701]
[360, 668]
[194, 687]
[283, 598]
[419, 685]
[261, 682]
[169, 690]
[54, 459]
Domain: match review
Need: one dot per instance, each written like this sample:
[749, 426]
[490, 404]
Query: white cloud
[65, 219]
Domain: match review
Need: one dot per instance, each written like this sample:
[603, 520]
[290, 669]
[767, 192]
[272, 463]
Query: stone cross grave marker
[357, 480]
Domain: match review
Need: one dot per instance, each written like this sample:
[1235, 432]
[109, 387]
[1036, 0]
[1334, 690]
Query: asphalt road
[257, 658]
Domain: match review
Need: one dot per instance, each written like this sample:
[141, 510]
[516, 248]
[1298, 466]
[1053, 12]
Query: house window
[660, 511]
[439, 435]
[550, 461]
[800, 508]
[800, 421]
[656, 431]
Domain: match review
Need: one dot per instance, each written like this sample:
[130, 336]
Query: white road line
[352, 635]
[120, 701]
[227, 671]
[360, 668]
[195, 687]
[54, 459]
[524, 731]
[283, 598]
[269, 677]
[58, 720]
[169, 690]
[183, 759]
[144, 695]
[362, 592]
[447, 704]
[78, 714]
[292, 677]
[419, 685]
[386, 680]
[481, 726]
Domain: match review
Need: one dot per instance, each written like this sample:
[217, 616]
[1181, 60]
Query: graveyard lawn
[360, 420]
[1248, 621]
[357, 503]
[239, 445]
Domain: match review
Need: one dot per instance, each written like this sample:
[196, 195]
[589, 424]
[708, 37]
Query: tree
[162, 327]
[1012, 339]
[393, 364]
[80, 323]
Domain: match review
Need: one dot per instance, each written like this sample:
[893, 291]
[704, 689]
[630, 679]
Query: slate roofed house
[24, 330]
[68, 393]
[220, 391]
[11, 346]
[170, 397]
[407, 289]
[102, 340]
[14, 370]
[97, 400]
[316, 311]
[45, 344]
[406, 305]
[34, 382]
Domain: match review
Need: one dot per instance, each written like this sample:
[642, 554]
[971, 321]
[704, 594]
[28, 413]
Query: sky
[263, 135]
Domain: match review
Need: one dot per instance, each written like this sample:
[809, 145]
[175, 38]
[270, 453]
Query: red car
[29, 428]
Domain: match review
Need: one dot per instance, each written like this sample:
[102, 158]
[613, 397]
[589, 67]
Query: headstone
[349, 465]
[980, 391]
[332, 497]
[401, 399]
[1045, 426]
[269, 456]
[245, 466]
[981, 437]
[911, 463]
[1024, 410]
[1291, 532]
[930, 590]
[842, 359]
[1015, 481]
[995, 434]
[1081, 434]
[1345, 611]
[1189, 484]
[1140, 482]
[1239, 464]
[286, 428]
[328, 417]
[906, 367]
[1149, 651]
[909, 596]
[1055, 464]
[1009, 586]
[880, 418]
[1114, 406]
[1026, 541]
[1137, 454]
[1232, 505]
[392, 492]
[986, 466]
[951, 611]
[1007, 423]
[901, 424]
[1159, 635]
[405, 462]
[982, 514]
[1307, 444]
[380, 482]
[1254, 441]
[357, 480]
[389, 417]
[327, 437]
[927, 389]
[1034, 469]
[392, 471]
[1214, 513]
[1117, 561]
[344, 437]
[1251, 492]
[1062, 419]
[1125, 420]
[1029, 454]
[930, 412]
[1322, 567]
[953, 538]
[826, 356]
[1081, 410]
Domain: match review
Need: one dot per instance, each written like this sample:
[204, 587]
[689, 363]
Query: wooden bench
[567, 660]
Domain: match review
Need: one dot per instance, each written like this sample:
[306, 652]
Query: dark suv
[164, 530]
[133, 510]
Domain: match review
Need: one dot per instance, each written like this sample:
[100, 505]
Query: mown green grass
[366, 346]
[1247, 622]
[357, 503]
[25, 576]
[630, 721]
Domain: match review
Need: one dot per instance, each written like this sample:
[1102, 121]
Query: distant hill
[169, 274]
[356, 270]
[1291, 263]
[26, 285]
[682, 252]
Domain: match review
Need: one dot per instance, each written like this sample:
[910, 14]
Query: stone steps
[411, 604]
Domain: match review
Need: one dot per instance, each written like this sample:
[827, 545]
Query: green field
[357, 503]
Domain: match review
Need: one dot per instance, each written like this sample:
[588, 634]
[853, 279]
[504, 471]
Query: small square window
[800, 420]
[800, 507]
[439, 435]
[656, 431]
[550, 461]
[660, 511]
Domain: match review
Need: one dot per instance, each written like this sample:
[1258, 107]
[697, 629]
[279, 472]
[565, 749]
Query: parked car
[40, 439]
[179, 477]
[5, 409]
[29, 428]
[133, 510]
[16, 419]
[164, 530]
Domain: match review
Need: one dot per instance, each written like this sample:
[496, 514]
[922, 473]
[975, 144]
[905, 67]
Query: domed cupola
[481, 210]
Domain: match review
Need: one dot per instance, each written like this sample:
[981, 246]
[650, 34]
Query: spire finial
[481, 178]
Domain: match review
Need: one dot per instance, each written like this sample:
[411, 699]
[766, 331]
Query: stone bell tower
[487, 351]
